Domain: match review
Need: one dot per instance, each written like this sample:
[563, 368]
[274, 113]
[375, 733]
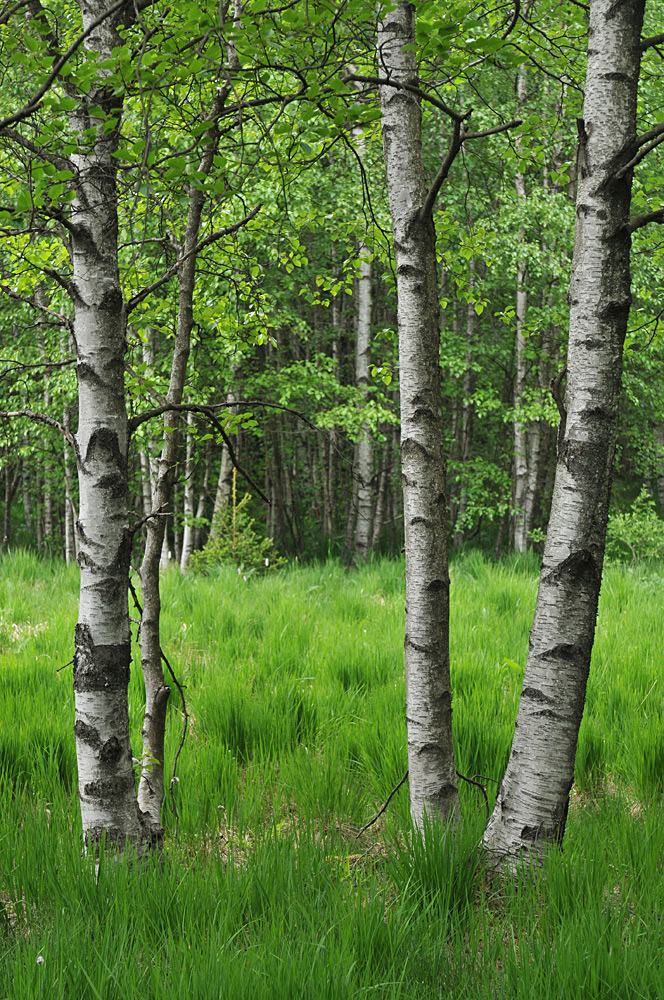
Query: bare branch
[61, 162]
[382, 808]
[656, 136]
[458, 139]
[42, 418]
[58, 317]
[207, 411]
[8, 11]
[649, 43]
[492, 131]
[143, 294]
[385, 81]
[638, 221]
[452, 153]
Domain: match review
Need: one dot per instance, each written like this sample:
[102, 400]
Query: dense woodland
[308, 307]
[241, 149]
[314, 281]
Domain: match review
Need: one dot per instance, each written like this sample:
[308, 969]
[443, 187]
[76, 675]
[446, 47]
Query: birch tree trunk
[520, 429]
[432, 773]
[531, 808]
[157, 692]
[189, 495]
[102, 647]
[364, 457]
[468, 411]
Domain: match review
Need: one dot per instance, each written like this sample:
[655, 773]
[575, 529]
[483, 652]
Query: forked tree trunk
[432, 773]
[531, 808]
[102, 652]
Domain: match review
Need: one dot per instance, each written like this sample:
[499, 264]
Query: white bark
[102, 654]
[520, 428]
[189, 495]
[432, 774]
[532, 802]
[363, 472]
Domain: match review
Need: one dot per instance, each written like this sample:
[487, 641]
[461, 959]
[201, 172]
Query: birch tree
[431, 763]
[531, 808]
[109, 807]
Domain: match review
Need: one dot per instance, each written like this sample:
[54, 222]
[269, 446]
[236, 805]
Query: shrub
[233, 539]
[639, 532]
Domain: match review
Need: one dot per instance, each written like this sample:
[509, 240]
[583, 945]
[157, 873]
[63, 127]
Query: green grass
[296, 693]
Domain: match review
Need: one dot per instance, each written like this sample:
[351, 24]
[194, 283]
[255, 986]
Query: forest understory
[295, 692]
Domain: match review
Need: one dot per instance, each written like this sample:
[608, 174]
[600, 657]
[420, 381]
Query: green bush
[234, 540]
[638, 533]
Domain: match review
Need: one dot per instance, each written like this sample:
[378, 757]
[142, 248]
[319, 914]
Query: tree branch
[648, 43]
[35, 101]
[207, 411]
[638, 221]
[143, 294]
[658, 137]
[457, 141]
[42, 418]
[384, 81]
[452, 153]
[63, 320]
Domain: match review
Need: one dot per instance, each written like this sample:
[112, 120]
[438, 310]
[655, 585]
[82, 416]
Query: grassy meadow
[296, 696]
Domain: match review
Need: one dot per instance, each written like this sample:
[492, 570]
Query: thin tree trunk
[199, 528]
[531, 808]
[468, 411]
[520, 427]
[27, 498]
[151, 784]
[189, 495]
[432, 772]
[364, 459]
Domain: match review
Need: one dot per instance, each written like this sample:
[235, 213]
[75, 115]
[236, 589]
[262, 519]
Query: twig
[471, 781]
[141, 418]
[226, 231]
[382, 808]
[35, 101]
[644, 698]
[71, 662]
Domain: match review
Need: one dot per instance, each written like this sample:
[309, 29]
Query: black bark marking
[110, 788]
[410, 448]
[97, 667]
[111, 752]
[532, 833]
[115, 484]
[104, 442]
[534, 694]
[87, 734]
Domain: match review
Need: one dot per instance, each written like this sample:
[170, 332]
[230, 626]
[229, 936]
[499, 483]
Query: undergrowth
[295, 688]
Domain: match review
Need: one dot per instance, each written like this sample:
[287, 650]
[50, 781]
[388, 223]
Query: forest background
[293, 332]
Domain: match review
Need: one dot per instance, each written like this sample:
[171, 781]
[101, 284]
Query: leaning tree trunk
[157, 692]
[531, 807]
[102, 652]
[432, 774]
